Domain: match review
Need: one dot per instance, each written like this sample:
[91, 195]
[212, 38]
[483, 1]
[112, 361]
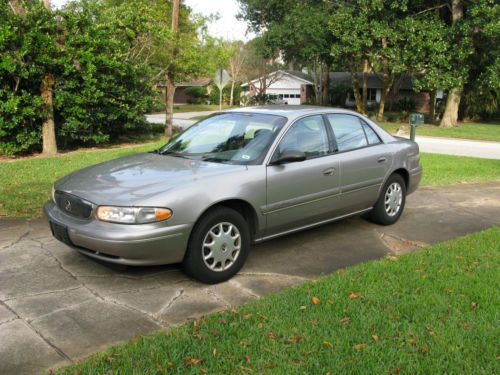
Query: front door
[302, 193]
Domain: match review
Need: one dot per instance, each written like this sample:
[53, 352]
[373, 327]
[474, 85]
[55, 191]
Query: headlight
[53, 194]
[132, 215]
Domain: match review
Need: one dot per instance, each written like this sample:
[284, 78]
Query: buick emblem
[67, 206]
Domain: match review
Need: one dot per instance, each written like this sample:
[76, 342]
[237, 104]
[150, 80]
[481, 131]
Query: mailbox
[416, 119]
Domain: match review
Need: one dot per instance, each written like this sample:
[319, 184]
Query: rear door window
[348, 131]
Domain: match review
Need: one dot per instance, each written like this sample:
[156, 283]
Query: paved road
[450, 146]
[464, 147]
[182, 120]
[57, 306]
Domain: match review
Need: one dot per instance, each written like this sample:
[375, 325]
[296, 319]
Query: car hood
[129, 180]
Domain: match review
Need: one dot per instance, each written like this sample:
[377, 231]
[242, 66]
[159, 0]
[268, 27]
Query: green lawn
[434, 311]
[25, 184]
[477, 131]
[449, 169]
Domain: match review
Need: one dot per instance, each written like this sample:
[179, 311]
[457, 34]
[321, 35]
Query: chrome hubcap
[393, 199]
[221, 246]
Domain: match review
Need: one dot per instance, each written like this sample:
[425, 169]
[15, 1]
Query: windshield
[236, 138]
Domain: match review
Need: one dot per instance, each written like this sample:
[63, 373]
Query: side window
[307, 135]
[373, 138]
[348, 131]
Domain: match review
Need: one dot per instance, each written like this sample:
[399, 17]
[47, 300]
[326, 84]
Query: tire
[218, 246]
[390, 204]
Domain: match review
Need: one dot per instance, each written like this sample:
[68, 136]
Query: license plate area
[60, 232]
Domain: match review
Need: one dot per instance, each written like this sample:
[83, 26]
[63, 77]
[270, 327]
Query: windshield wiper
[172, 153]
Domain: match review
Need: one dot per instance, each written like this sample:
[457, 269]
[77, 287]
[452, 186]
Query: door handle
[329, 172]
[382, 159]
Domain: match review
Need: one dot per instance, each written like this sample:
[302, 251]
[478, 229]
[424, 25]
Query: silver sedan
[236, 178]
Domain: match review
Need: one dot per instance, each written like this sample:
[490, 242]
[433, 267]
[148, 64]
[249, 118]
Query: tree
[170, 75]
[309, 48]
[262, 65]
[450, 116]
[236, 62]
[47, 83]
[102, 86]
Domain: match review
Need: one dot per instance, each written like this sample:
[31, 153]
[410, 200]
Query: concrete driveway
[57, 306]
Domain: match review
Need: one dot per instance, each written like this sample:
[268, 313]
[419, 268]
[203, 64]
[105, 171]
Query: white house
[282, 85]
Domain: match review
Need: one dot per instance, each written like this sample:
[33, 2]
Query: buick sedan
[236, 178]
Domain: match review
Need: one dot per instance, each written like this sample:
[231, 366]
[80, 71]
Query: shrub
[196, 95]
[406, 104]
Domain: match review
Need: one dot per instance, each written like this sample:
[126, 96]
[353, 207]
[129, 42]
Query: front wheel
[391, 202]
[218, 246]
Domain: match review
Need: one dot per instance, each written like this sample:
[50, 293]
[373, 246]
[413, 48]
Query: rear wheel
[391, 202]
[218, 246]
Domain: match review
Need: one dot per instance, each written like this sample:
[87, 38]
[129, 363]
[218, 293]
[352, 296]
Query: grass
[430, 312]
[476, 131]
[26, 184]
[199, 118]
[449, 169]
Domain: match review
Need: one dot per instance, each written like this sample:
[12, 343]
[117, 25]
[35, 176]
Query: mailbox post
[416, 119]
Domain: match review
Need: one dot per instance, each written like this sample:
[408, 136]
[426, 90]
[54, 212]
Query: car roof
[290, 110]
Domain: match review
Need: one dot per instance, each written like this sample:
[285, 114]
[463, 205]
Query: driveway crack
[170, 303]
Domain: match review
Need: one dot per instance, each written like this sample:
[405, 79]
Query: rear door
[364, 161]
[302, 193]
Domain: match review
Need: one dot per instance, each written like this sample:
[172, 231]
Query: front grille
[72, 205]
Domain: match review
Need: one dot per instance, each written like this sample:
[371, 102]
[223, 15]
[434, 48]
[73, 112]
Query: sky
[227, 26]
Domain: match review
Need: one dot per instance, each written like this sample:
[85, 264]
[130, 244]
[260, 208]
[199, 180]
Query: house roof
[291, 73]
[374, 80]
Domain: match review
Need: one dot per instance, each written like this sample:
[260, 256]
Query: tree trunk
[365, 84]
[450, 115]
[49, 144]
[357, 95]
[388, 80]
[383, 95]
[231, 97]
[432, 106]
[170, 88]
[326, 86]
[48, 127]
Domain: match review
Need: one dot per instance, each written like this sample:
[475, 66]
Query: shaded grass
[25, 184]
[434, 311]
[477, 131]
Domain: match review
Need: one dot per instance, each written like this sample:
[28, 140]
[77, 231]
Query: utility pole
[170, 76]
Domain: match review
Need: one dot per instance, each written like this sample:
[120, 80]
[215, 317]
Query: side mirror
[290, 156]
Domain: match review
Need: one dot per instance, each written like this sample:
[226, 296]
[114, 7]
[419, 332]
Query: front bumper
[134, 245]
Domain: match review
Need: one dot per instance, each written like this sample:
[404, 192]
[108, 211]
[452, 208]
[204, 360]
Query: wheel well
[244, 208]
[403, 173]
